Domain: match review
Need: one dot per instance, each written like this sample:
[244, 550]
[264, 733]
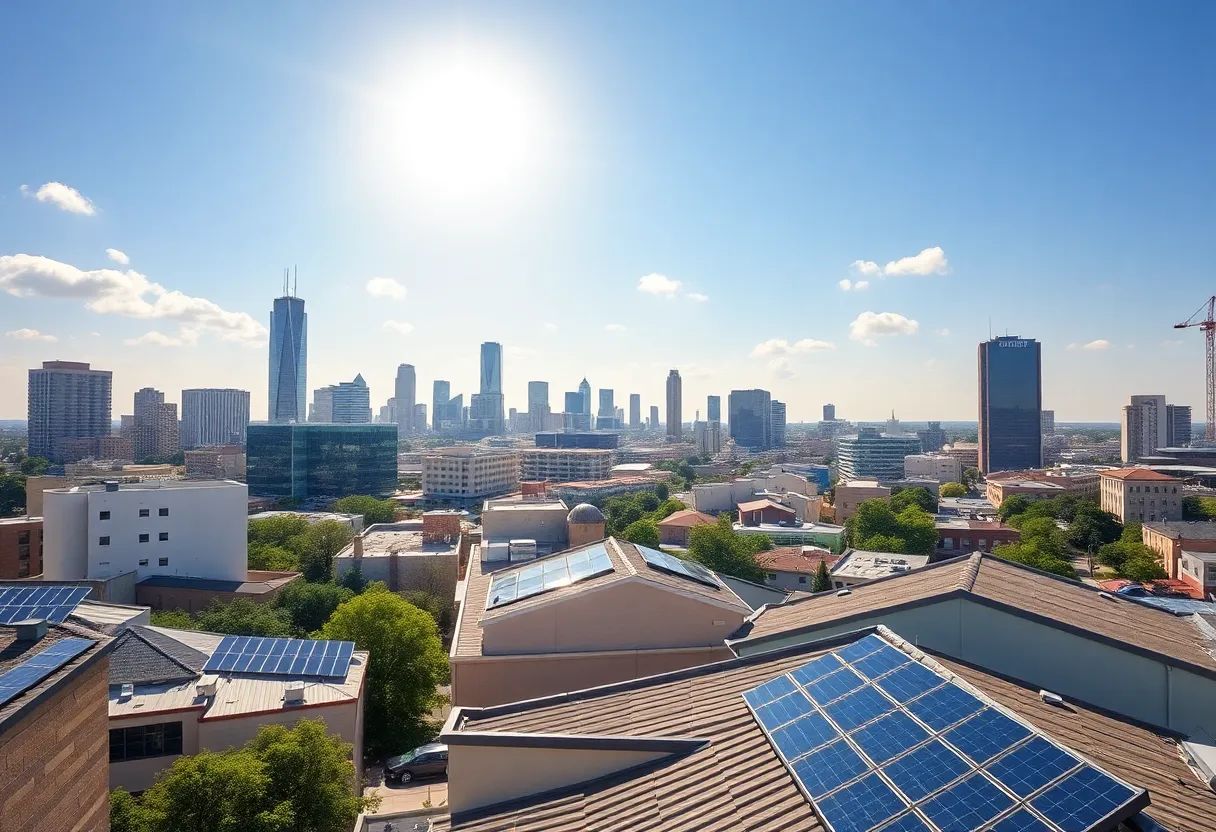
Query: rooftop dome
[585, 513]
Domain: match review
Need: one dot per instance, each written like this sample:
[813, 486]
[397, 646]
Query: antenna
[295, 283]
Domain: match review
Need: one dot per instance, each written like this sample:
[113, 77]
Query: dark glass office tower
[1011, 400]
[288, 360]
[751, 418]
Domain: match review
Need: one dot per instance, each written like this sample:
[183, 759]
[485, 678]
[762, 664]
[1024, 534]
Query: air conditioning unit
[293, 693]
[206, 686]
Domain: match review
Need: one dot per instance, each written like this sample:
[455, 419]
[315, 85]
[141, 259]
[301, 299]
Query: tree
[353, 580]
[1092, 524]
[647, 500]
[1012, 506]
[317, 546]
[176, 619]
[952, 489]
[373, 510]
[126, 813]
[661, 491]
[722, 549]
[242, 617]
[438, 608]
[821, 582]
[407, 663]
[309, 605]
[877, 527]
[312, 773]
[273, 558]
[213, 792]
[971, 477]
[12, 494]
[917, 496]
[34, 466]
[1198, 508]
[644, 532]
[1142, 569]
[1041, 546]
[1132, 533]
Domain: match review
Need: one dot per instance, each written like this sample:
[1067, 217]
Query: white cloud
[386, 287]
[870, 325]
[552, 327]
[399, 327]
[697, 296]
[657, 284]
[780, 346]
[184, 338]
[29, 335]
[1100, 344]
[849, 286]
[117, 256]
[781, 369]
[129, 294]
[62, 196]
[927, 262]
[942, 331]
[615, 328]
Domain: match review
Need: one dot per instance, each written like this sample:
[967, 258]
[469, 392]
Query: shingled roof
[143, 656]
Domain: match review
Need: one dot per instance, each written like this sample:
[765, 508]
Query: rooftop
[857, 563]
[1184, 529]
[19, 521]
[1138, 474]
[975, 525]
[310, 516]
[685, 518]
[256, 582]
[149, 485]
[14, 653]
[860, 484]
[385, 543]
[757, 505]
[791, 528]
[800, 559]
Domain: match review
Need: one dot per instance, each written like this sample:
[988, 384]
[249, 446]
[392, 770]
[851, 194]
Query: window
[802, 579]
[164, 512]
[143, 741]
[143, 538]
[144, 512]
[143, 562]
[163, 561]
[772, 576]
[103, 515]
[164, 536]
[104, 540]
[23, 538]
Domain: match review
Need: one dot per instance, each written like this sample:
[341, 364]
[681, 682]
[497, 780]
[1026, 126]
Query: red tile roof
[1139, 474]
[802, 559]
[687, 517]
[756, 505]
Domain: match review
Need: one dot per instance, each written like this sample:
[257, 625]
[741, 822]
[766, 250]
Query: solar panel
[678, 566]
[879, 741]
[281, 657]
[46, 603]
[548, 574]
[32, 671]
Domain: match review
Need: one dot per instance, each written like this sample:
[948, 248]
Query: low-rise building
[857, 566]
[354, 521]
[974, 507]
[874, 455]
[594, 490]
[467, 475]
[1138, 494]
[540, 517]
[564, 464]
[825, 535]
[171, 592]
[1170, 539]
[168, 697]
[674, 528]
[759, 512]
[967, 453]
[793, 568]
[715, 497]
[958, 535]
[1041, 484]
[407, 556]
[217, 462]
[1198, 569]
[850, 495]
[20, 547]
[937, 467]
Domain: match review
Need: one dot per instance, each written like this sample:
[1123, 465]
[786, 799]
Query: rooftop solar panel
[45, 603]
[548, 574]
[32, 671]
[882, 742]
[281, 657]
[678, 566]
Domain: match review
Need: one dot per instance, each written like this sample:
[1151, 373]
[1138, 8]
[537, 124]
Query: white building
[708, 437]
[1145, 427]
[565, 464]
[469, 474]
[164, 528]
[213, 416]
[937, 467]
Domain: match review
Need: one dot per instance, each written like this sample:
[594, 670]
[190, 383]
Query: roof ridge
[620, 553]
[966, 579]
[161, 650]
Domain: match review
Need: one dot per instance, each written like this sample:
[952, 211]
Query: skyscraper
[1145, 427]
[404, 391]
[420, 417]
[213, 416]
[441, 394]
[348, 402]
[751, 418]
[67, 400]
[932, 438]
[675, 404]
[486, 412]
[288, 360]
[491, 367]
[155, 431]
[829, 413]
[575, 418]
[538, 405]
[1011, 400]
[1179, 418]
[713, 409]
[654, 417]
[584, 390]
[778, 423]
[605, 417]
[635, 411]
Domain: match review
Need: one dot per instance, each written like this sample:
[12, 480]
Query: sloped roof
[737, 782]
[143, 656]
[756, 505]
[1139, 474]
[802, 559]
[687, 517]
[1049, 599]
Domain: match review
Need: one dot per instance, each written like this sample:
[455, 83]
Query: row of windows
[1143, 489]
[143, 512]
[144, 537]
[143, 741]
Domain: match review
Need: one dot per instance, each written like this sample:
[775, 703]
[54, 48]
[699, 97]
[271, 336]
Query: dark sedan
[427, 760]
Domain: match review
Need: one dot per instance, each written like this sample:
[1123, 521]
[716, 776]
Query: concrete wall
[545, 523]
[433, 572]
[193, 600]
[54, 761]
[849, 497]
[138, 775]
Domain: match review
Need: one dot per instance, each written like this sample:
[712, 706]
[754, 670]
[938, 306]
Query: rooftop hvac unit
[495, 552]
[522, 550]
[293, 693]
[206, 686]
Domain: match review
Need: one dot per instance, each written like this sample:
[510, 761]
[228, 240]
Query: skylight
[548, 574]
[678, 566]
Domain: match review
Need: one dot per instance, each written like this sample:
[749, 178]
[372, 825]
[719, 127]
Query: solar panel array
[879, 741]
[678, 566]
[47, 603]
[548, 574]
[32, 671]
[281, 657]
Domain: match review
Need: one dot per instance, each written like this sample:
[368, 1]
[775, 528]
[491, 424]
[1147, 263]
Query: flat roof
[1184, 529]
[152, 485]
[856, 563]
[15, 521]
[252, 586]
[774, 528]
[385, 543]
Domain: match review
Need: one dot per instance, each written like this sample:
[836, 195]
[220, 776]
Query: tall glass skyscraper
[584, 390]
[288, 360]
[491, 367]
[713, 410]
[751, 418]
[405, 394]
[1011, 400]
[675, 406]
[486, 411]
[441, 394]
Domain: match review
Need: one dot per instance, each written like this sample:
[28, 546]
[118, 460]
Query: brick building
[20, 547]
[1172, 539]
[674, 529]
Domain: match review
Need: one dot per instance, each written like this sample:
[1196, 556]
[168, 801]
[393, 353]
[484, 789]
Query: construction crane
[1208, 325]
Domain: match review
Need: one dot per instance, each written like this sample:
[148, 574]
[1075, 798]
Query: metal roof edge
[578, 742]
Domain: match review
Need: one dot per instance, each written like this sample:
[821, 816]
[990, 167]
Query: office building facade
[577, 439]
[751, 418]
[348, 402]
[155, 431]
[564, 464]
[214, 416]
[932, 438]
[635, 411]
[1144, 427]
[467, 475]
[1010, 404]
[538, 405]
[1178, 422]
[441, 394]
[405, 392]
[67, 400]
[487, 414]
[675, 406]
[584, 392]
[654, 417]
[288, 360]
[829, 413]
[708, 437]
[713, 408]
[871, 455]
[778, 424]
[1048, 423]
[605, 416]
[304, 461]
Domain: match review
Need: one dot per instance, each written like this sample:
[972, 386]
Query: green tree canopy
[1142, 568]
[1092, 525]
[177, 619]
[309, 605]
[643, 532]
[917, 496]
[353, 580]
[1132, 532]
[971, 476]
[1012, 506]
[12, 494]
[661, 491]
[407, 664]
[242, 617]
[272, 558]
[34, 466]
[822, 581]
[317, 546]
[722, 549]
[213, 792]
[952, 489]
[1041, 546]
[1199, 508]
[373, 510]
[877, 527]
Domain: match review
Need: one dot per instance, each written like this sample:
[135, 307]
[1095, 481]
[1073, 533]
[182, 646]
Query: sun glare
[460, 127]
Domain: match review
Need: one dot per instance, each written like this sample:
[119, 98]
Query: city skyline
[910, 244]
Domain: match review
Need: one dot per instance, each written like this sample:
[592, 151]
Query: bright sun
[460, 127]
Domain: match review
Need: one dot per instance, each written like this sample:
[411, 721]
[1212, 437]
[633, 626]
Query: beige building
[565, 464]
[219, 462]
[172, 708]
[1171, 540]
[540, 517]
[967, 453]
[408, 555]
[1138, 494]
[1042, 484]
[937, 467]
[610, 615]
[468, 474]
[850, 495]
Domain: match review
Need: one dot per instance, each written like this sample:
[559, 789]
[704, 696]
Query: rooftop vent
[1107, 596]
[111, 485]
[206, 686]
[1051, 698]
[843, 593]
[32, 630]
[126, 692]
[293, 693]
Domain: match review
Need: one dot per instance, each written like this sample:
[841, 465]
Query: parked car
[424, 761]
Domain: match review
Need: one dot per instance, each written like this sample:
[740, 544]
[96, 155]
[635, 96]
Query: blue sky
[1048, 167]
